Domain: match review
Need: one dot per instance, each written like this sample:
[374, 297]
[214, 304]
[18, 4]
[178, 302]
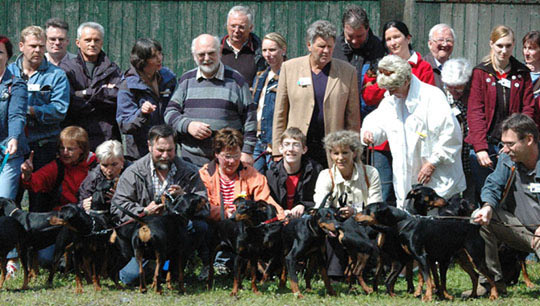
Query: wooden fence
[176, 23]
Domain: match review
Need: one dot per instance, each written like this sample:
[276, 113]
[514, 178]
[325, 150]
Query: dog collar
[270, 220]
[11, 213]
[99, 212]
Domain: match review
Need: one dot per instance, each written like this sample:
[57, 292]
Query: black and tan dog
[304, 240]
[359, 247]
[422, 199]
[163, 237]
[12, 236]
[429, 240]
[41, 233]
[253, 234]
[85, 238]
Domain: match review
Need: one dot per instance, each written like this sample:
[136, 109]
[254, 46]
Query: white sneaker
[11, 268]
[221, 268]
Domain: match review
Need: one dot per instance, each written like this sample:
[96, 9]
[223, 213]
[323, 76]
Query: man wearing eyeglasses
[441, 44]
[57, 41]
[511, 194]
[208, 98]
[241, 48]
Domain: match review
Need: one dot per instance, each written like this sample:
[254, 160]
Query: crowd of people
[250, 122]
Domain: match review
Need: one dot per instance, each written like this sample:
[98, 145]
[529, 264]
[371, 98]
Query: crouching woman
[349, 184]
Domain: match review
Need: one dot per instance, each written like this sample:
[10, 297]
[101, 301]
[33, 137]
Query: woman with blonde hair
[347, 175]
[500, 86]
[274, 48]
[347, 182]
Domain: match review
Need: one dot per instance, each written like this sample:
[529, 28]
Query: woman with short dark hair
[227, 178]
[144, 93]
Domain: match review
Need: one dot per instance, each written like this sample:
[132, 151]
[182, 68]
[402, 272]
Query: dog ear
[440, 202]
[201, 203]
[53, 220]
[415, 190]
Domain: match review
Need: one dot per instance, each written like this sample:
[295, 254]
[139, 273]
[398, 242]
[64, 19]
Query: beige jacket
[295, 100]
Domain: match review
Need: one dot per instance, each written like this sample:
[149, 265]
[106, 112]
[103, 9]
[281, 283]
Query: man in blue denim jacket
[48, 95]
[511, 194]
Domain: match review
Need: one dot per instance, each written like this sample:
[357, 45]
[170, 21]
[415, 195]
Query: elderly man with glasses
[208, 98]
[441, 44]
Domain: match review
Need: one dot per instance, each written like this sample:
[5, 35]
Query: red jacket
[483, 98]
[373, 94]
[43, 180]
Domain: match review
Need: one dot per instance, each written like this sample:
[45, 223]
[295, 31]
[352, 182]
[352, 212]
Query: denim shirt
[13, 105]
[269, 101]
[50, 101]
[493, 189]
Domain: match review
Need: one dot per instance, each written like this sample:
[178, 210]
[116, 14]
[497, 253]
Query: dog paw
[368, 290]
[426, 298]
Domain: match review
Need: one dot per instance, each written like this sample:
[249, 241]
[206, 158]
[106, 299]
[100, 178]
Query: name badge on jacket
[34, 87]
[534, 187]
[505, 83]
[304, 82]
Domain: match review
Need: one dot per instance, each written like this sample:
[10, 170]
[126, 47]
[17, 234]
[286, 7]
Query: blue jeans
[480, 173]
[382, 161]
[129, 274]
[45, 255]
[197, 230]
[199, 236]
[264, 161]
[9, 178]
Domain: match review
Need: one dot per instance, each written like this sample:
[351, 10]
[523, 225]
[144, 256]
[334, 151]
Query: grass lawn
[62, 293]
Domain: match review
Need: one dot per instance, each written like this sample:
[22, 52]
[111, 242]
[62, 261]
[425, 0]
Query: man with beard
[141, 185]
[208, 98]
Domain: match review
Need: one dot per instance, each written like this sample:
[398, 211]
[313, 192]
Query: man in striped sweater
[208, 98]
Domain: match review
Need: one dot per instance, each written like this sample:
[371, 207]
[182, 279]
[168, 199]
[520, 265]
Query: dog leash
[494, 222]
[6, 157]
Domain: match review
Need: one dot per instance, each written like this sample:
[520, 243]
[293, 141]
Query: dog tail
[145, 233]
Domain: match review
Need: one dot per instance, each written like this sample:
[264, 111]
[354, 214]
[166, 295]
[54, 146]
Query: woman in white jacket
[425, 138]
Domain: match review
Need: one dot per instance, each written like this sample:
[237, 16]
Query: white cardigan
[356, 188]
